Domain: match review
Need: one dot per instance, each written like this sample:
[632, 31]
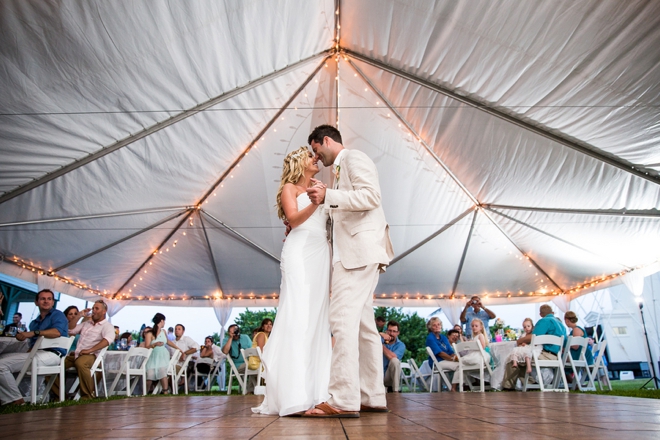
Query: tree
[249, 320]
[412, 331]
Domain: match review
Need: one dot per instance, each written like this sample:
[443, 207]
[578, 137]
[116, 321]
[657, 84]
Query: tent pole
[651, 213]
[208, 244]
[242, 237]
[155, 128]
[93, 216]
[555, 237]
[151, 254]
[518, 120]
[414, 132]
[465, 249]
[262, 132]
[530, 259]
[432, 236]
[121, 240]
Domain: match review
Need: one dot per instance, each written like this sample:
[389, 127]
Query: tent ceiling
[142, 143]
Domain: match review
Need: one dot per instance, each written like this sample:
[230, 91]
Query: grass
[631, 388]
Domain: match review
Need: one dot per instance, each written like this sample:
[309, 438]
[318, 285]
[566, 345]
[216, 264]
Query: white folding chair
[482, 365]
[134, 364]
[183, 373]
[437, 370]
[419, 376]
[171, 372]
[97, 367]
[579, 366]
[247, 353]
[233, 372]
[32, 368]
[599, 372]
[537, 345]
[407, 375]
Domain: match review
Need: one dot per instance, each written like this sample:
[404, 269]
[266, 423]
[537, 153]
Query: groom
[361, 248]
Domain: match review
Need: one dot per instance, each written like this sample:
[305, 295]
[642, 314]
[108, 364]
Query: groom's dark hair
[322, 131]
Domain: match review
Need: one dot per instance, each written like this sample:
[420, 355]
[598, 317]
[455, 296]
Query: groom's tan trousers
[356, 376]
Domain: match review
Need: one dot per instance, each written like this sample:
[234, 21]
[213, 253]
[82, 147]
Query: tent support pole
[614, 212]
[93, 216]
[432, 236]
[121, 240]
[155, 128]
[530, 259]
[414, 132]
[262, 132]
[151, 255]
[208, 244]
[555, 237]
[518, 120]
[242, 237]
[465, 249]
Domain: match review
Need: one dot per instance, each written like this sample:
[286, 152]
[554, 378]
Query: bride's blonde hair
[292, 170]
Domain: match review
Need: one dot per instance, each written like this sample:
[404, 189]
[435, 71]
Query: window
[620, 330]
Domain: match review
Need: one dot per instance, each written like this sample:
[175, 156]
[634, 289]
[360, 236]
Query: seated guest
[380, 324]
[129, 338]
[170, 334]
[209, 351]
[232, 345]
[459, 329]
[259, 340]
[441, 347]
[547, 325]
[474, 309]
[393, 350]
[474, 357]
[51, 323]
[186, 344]
[143, 337]
[71, 314]
[95, 334]
[14, 324]
[571, 320]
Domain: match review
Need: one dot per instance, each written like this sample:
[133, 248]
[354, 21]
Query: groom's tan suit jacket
[360, 230]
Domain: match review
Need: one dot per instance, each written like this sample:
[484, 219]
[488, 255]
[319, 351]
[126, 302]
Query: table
[500, 352]
[13, 345]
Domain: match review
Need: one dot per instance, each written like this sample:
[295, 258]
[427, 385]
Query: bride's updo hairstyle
[292, 170]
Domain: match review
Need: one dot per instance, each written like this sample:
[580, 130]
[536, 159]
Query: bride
[297, 356]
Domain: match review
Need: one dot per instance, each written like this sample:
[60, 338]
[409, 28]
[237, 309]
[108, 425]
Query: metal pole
[653, 378]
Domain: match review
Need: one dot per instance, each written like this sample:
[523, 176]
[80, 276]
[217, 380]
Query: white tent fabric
[142, 142]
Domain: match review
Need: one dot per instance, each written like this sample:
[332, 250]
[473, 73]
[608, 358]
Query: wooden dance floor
[414, 416]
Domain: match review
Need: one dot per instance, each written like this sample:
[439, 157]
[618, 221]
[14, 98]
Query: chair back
[251, 352]
[571, 342]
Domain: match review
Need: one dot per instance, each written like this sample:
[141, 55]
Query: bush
[412, 331]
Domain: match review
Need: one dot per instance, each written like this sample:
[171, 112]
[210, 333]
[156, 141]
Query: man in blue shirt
[474, 309]
[547, 325]
[232, 345]
[393, 350]
[51, 323]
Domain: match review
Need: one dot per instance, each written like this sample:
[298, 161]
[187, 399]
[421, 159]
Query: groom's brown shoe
[374, 409]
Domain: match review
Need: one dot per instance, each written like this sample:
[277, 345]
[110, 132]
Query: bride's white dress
[297, 355]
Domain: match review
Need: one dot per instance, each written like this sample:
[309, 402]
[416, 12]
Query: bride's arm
[290, 207]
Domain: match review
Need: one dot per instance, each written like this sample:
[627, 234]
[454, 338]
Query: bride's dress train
[297, 356]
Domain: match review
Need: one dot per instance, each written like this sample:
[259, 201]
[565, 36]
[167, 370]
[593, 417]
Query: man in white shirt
[95, 334]
[185, 343]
